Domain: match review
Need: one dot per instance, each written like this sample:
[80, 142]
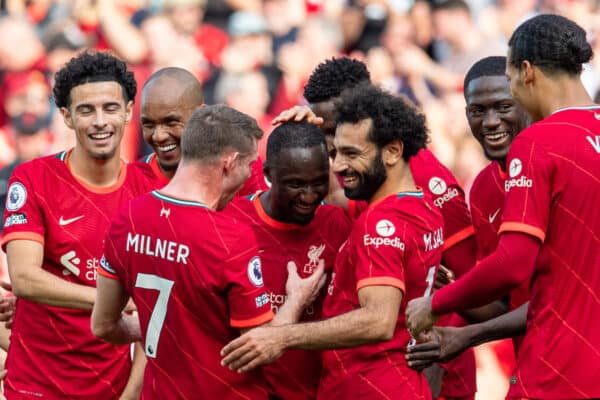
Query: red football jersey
[553, 193]
[53, 353]
[440, 185]
[253, 184]
[296, 374]
[195, 276]
[396, 242]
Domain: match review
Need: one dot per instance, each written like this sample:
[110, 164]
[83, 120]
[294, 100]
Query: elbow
[103, 330]
[383, 329]
[21, 288]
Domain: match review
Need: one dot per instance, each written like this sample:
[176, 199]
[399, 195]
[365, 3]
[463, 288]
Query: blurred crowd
[256, 55]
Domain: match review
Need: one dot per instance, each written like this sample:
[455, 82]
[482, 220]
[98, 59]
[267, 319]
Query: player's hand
[257, 347]
[423, 355]
[419, 316]
[8, 305]
[444, 277]
[304, 291]
[298, 113]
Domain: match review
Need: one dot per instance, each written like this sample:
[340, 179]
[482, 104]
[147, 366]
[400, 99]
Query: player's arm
[108, 320]
[30, 281]
[374, 321]
[445, 343]
[504, 270]
[136, 376]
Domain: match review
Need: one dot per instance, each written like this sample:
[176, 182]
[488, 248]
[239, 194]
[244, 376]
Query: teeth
[167, 148]
[496, 136]
[100, 136]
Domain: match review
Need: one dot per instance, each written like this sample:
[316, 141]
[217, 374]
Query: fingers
[239, 357]
[5, 285]
[232, 346]
[298, 113]
[292, 270]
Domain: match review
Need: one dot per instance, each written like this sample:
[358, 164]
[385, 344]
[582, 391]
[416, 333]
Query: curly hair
[331, 77]
[393, 118]
[551, 42]
[488, 66]
[293, 135]
[92, 67]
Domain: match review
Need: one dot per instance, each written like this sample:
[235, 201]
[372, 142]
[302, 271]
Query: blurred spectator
[454, 26]
[27, 134]
[187, 18]
[247, 92]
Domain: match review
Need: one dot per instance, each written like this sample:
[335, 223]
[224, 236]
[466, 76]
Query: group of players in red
[334, 281]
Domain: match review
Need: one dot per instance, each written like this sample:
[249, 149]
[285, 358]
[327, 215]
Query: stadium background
[256, 56]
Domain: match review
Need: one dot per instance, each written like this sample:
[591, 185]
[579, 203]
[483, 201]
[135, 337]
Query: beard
[368, 182]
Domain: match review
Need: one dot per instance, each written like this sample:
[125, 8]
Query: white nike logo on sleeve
[492, 217]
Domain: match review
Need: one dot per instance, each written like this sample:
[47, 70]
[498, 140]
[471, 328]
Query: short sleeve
[530, 175]
[457, 218]
[248, 301]
[380, 244]
[111, 264]
[23, 216]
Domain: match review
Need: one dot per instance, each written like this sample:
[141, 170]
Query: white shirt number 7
[157, 319]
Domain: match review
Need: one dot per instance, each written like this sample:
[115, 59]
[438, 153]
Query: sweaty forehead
[488, 89]
[97, 93]
[353, 134]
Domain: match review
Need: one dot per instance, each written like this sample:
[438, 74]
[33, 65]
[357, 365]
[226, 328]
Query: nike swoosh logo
[492, 217]
[63, 222]
[597, 116]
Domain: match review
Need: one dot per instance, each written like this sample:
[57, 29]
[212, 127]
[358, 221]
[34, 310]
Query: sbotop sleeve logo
[15, 199]
[255, 272]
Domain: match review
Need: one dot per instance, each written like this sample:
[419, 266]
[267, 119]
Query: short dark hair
[392, 117]
[488, 66]
[91, 67]
[552, 43]
[450, 5]
[213, 130]
[333, 76]
[293, 135]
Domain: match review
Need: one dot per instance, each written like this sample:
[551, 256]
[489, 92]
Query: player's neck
[561, 92]
[94, 171]
[398, 180]
[203, 185]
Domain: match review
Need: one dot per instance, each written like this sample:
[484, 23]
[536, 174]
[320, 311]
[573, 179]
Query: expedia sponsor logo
[449, 195]
[514, 169]
[377, 241]
[15, 219]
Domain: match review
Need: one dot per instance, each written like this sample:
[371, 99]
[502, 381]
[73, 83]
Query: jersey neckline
[64, 157]
[180, 202]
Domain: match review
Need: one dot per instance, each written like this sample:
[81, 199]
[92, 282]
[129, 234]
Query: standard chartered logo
[73, 265]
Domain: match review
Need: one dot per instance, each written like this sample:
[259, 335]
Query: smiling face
[98, 114]
[166, 108]
[358, 160]
[494, 117]
[299, 183]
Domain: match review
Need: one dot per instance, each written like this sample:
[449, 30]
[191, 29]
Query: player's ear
[267, 172]
[66, 114]
[230, 160]
[392, 152]
[128, 111]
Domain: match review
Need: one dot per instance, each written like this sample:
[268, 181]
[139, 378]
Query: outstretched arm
[374, 321]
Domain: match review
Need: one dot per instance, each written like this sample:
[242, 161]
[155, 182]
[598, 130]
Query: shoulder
[482, 179]
[142, 173]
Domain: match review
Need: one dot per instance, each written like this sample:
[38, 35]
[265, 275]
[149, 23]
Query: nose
[491, 120]
[338, 164]
[160, 134]
[308, 195]
[99, 120]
